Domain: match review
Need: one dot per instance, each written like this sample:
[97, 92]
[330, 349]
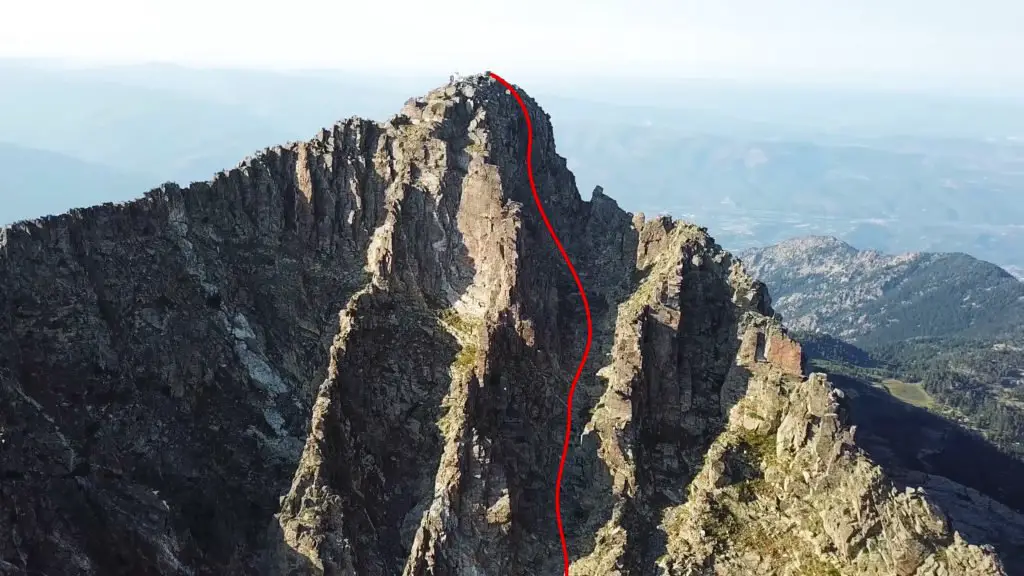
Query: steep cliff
[351, 356]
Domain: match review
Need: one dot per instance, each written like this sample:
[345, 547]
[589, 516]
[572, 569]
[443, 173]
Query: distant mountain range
[146, 125]
[888, 193]
[32, 180]
[822, 284]
[889, 172]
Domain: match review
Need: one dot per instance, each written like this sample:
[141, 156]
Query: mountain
[888, 171]
[759, 185]
[351, 355]
[31, 179]
[822, 284]
[975, 382]
[941, 331]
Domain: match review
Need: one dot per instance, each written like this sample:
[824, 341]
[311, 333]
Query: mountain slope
[961, 360]
[350, 356]
[822, 284]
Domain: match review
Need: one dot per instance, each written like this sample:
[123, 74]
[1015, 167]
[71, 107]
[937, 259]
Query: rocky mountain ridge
[822, 284]
[350, 356]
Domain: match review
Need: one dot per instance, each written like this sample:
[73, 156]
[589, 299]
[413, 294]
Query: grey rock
[162, 360]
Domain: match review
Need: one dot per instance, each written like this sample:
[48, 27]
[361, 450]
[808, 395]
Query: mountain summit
[351, 356]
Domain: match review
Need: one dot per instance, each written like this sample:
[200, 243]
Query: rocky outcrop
[785, 490]
[351, 356]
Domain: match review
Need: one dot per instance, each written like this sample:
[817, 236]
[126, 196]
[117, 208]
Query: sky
[945, 41]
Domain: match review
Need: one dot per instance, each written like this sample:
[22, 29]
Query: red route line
[586, 308]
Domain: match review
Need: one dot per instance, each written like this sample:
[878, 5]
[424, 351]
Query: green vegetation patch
[462, 326]
[783, 547]
[466, 330]
[909, 392]
[720, 524]
[752, 536]
[466, 357]
[761, 446]
[811, 565]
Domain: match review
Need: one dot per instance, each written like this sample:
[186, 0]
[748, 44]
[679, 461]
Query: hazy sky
[953, 40]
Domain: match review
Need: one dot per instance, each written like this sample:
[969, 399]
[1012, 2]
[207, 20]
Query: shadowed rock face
[351, 356]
